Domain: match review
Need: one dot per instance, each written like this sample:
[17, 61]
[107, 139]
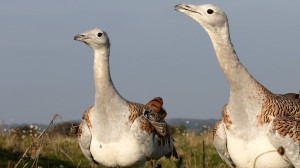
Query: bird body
[255, 122]
[115, 132]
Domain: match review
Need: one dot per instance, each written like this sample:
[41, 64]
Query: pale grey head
[96, 39]
[209, 16]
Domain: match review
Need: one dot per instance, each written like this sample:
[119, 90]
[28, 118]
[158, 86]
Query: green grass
[59, 150]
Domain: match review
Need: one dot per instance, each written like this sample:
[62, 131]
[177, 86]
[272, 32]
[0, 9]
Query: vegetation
[55, 148]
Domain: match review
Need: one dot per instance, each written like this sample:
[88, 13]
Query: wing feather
[284, 132]
[84, 135]
[151, 129]
[220, 143]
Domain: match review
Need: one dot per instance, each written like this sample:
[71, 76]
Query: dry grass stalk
[79, 163]
[66, 155]
[34, 163]
[8, 164]
[34, 147]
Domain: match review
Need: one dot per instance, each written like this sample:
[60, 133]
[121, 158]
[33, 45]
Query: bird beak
[80, 37]
[183, 8]
[179, 8]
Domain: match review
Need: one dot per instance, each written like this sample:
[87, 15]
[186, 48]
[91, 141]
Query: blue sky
[155, 51]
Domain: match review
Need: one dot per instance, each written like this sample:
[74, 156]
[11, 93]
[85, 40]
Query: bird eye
[210, 11]
[99, 34]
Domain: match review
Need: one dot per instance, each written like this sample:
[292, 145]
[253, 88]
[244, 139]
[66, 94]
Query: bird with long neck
[115, 132]
[252, 119]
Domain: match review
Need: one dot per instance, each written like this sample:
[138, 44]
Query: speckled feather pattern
[225, 117]
[277, 106]
[287, 126]
[136, 110]
[86, 118]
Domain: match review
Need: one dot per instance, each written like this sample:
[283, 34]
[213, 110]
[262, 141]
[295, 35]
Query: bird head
[209, 16]
[95, 38]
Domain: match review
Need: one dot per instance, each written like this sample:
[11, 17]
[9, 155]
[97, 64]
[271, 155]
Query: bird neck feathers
[236, 74]
[104, 87]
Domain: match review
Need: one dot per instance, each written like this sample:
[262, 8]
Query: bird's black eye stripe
[210, 11]
[99, 34]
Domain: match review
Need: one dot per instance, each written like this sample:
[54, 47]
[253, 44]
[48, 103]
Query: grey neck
[105, 91]
[236, 74]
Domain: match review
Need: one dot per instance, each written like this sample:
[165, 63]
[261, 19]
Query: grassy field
[55, 148]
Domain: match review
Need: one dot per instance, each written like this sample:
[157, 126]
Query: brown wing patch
[155, 125]
[287, 126]
[216, 128]
[156, 104]
[148, 126]
[79, 131]
[86, 116]
[278, 106]
[135, 110]
[225, 117]
[155, 120]
[145, 125]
